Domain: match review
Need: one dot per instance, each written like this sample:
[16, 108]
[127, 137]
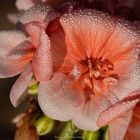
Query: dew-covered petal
[134, 127]
[58, 49]
[34, 30]
[93, 107]
[36, 13]
[58, 101]
[86, 31]
[119, 108]
[92, 33]
[42, 61]
[130, 82]
[119, 126]
[18, 94]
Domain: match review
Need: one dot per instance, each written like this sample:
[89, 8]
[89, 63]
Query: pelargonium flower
[27, 51]
[87, 63]
[96, 65]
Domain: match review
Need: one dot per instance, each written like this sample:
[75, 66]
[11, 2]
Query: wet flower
[95, 65]
[86, 62]
[26, 51]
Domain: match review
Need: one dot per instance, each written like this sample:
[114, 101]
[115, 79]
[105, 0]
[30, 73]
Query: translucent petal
[59, 102]
[93, 107]
[18, 94]
[119, 108]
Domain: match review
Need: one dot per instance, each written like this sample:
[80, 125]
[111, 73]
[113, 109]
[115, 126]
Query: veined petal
[119, 126]
[59, 102]
[119, 108]
[129, 83]
[42, 62]
[86, 31]
[18, 94]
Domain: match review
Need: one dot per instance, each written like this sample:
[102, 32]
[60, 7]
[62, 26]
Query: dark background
[7, 111]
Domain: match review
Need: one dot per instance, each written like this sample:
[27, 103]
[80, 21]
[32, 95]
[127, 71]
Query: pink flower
[96, 66]
[27, 52]
[87, 63]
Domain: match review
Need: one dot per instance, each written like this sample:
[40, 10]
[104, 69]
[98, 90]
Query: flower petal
[24, 50]
[24, 4]
[119, 126]
[17, 59]
[34, 30]
[87, 119]
[42, 62]
[130, 83]
[58, 49]
[57, 101]
[14, 53]
[86, 31]
[134, 127]
[10, 39]
[37, 13]
[18, 90]
[119, 108]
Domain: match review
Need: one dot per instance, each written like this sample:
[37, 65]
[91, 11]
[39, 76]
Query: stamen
[98, 75]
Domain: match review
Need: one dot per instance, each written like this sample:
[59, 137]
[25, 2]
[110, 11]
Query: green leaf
[44, 125]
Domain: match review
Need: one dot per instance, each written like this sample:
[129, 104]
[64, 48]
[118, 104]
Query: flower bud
[33, 88]
[89, 135]
[68, 131]
[44, 125]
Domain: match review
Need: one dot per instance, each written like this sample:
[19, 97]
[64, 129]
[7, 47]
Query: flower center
[96, 74]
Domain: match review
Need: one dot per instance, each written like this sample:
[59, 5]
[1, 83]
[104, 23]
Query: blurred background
[7, 111]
